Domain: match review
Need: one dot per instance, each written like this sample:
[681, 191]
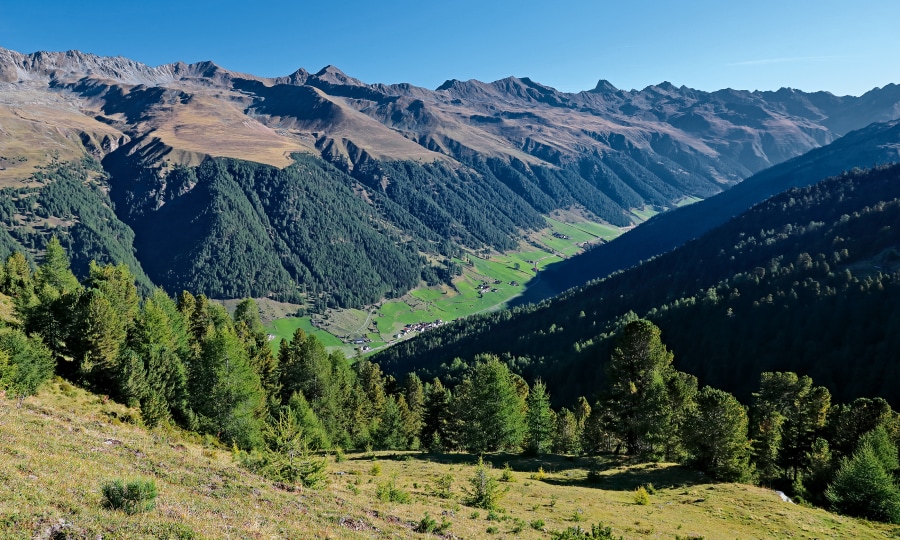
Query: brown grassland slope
[61, 446]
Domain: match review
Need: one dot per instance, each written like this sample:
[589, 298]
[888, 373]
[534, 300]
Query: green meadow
[486, 284]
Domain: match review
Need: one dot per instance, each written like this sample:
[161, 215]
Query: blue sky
[760, 44]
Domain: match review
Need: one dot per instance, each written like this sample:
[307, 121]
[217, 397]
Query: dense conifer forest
[796, 283]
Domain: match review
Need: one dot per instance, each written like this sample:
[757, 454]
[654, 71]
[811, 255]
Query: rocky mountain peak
[332, 75]
[604, 87]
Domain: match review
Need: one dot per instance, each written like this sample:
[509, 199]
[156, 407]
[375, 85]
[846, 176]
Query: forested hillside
[876, 144]
[806, 281]
[68, 200]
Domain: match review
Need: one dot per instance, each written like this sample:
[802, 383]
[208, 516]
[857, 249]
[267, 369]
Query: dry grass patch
[62, 446]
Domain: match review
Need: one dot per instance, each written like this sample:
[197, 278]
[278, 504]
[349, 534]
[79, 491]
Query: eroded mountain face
[469, 163]
[661, 132]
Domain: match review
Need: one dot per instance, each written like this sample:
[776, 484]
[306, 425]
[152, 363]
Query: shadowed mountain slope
[873, 145]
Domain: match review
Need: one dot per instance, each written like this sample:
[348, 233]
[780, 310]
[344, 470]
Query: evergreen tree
[847, 423]
[883, 448]
[25, 363]
[566, 440]
[682, 393]
[226, 392]
[159, 341]
[490, 408]
[285, 456]
[367, 402]
[863, 488]
[414, 392]
[639, 399]
[247, 312]
[540, 422]
[56, 291]
[18, 282]
[715, 436]
[106, 313]
[390, 434]
[599, 431]
[54, 271]
[250, 330]
[436, 430]
[311, 429]
[582, 413]
[305, 368]
[789, 414]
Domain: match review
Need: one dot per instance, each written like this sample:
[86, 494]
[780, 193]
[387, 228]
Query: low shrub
[641, 496]
[389, 492]
[132, 497]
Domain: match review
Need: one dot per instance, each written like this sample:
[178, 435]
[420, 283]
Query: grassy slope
[57, 450]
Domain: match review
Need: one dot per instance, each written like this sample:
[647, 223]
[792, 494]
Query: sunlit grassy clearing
[58, 450]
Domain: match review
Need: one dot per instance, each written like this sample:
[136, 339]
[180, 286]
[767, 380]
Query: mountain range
[319, 184]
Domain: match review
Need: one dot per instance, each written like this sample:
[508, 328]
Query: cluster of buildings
[418, 327]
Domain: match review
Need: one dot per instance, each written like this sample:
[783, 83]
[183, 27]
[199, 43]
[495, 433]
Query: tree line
[186, 361]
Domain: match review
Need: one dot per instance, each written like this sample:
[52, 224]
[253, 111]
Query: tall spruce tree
[106, 313]
[789, 414]
[414, 392]
[225, 390]
[436, 432]
[56, 292]
[159, 341]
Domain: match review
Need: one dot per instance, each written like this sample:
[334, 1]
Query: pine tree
[56, 291]
[226, 392]
[414, 392]
[789, 413]
[715, 436]
[25, 363]
[106, 313]
[540, 422]
[18, 281]
[54, 270]
[390, 434]
[159, 340]
[639, 398]
[250, 330]
[311, 429]
[847, 423]
[285, 456]
[599, 431]
[566, 440]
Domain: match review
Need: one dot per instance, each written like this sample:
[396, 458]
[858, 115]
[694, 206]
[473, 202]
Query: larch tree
[540, 421]
[490, 408]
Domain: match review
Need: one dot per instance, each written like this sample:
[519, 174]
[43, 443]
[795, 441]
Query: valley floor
[489, 281]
